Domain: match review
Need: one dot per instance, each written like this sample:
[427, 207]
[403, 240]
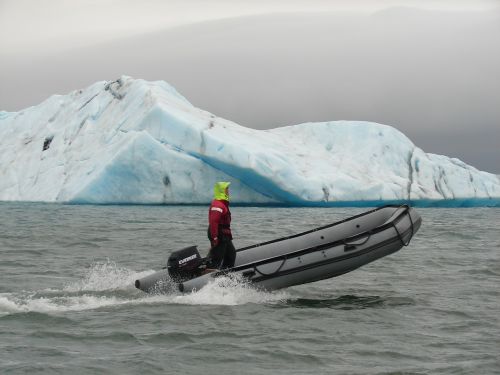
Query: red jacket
[219, 221]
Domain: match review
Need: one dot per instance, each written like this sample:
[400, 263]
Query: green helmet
[220, 191]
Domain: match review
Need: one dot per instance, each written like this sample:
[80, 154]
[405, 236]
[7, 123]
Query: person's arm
[214, 217]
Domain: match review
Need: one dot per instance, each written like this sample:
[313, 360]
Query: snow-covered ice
[133, 141]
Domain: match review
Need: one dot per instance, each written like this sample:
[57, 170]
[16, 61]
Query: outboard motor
[184, 264]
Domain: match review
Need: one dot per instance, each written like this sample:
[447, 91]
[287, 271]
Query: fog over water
[433, 74]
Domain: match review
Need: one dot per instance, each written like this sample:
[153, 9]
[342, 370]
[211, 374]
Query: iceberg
[132, 141]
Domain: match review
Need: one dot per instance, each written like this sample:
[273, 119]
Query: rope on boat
[272, 273]
[407, 211]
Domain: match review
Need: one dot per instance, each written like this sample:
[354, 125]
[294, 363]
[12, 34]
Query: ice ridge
[137, 142]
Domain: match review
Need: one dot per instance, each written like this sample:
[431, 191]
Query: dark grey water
[67, 303]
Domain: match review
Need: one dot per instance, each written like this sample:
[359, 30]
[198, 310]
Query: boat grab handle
[352, 246]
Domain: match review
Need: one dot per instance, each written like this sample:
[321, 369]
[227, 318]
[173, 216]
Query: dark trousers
[223, 255]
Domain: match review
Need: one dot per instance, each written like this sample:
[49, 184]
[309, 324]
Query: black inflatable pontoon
[317, 254]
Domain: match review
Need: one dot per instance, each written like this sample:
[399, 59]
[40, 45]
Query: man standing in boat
[222, 252]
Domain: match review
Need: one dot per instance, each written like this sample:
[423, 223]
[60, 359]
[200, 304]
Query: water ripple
[68, 304]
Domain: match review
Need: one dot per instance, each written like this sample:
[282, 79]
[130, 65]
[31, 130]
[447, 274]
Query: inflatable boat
[317, 254]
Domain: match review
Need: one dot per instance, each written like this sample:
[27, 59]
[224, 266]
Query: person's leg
[229, 255]
[216, 255]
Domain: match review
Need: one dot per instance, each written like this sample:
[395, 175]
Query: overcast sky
[429, 68]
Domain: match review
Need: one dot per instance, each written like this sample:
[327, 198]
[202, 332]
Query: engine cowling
[184, 264]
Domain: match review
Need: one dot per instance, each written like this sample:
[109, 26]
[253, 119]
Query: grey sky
[429, 68]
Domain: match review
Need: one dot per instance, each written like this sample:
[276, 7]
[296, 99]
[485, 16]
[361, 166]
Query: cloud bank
[432, 74]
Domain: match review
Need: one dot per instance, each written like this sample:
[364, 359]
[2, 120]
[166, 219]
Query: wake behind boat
[317, 254]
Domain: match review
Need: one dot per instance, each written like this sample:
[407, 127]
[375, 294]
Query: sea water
[68, 304]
